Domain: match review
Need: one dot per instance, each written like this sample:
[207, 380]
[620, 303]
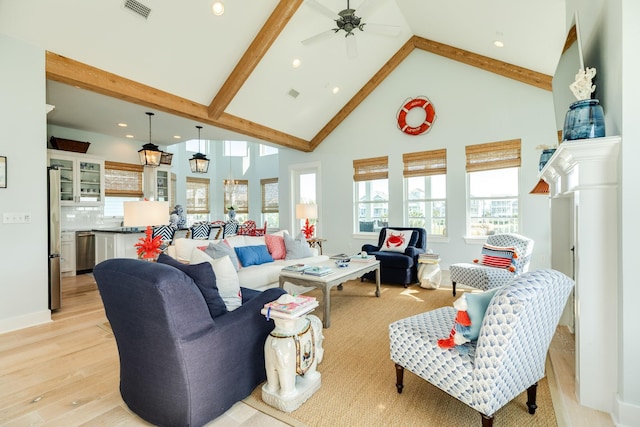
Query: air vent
[294, 93]
[138, 8]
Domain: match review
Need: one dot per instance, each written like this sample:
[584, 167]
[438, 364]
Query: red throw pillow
[275, 245]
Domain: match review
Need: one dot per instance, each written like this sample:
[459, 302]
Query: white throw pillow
[226, 277]
[396, 240]
[297, 247]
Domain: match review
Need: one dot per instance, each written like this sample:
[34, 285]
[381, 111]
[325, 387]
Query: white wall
[472, 107]
[23, 253]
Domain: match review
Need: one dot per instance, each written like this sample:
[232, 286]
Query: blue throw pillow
[253, 255]
[477, 304]
[204, 277]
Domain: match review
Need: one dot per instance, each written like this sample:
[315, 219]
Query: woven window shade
[197, 195]
[270, 198]
[240, 200]
[122, 179]
[493, 155]
[370, 169]
[425, 163]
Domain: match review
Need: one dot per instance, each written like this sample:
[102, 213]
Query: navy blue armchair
[178, 365]
[398, 267]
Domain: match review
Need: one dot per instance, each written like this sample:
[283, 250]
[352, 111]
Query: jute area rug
[358, 376]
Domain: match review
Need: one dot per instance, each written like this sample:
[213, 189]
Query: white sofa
[259, 277]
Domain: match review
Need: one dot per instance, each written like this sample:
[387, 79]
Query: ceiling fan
[346, 20]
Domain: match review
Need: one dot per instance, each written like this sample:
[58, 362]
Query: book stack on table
[429, 258]
[360, 258]
[317, 270]
[289, 306]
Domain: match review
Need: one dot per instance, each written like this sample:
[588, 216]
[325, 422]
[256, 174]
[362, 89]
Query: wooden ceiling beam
[71, 72]
[253, 55]
[524, 75]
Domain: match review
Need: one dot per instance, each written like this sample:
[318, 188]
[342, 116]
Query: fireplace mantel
[583, 190]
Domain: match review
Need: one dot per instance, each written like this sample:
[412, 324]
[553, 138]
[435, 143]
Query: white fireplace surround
[583, 189]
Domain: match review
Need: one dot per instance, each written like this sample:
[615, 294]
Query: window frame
[200, 210]
[425, 164]
[490, 157]
[368, 171]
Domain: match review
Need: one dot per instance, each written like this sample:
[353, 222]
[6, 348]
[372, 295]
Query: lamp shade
[306, 211]
[145, 213]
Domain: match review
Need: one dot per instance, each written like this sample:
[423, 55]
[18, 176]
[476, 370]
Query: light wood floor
[66, 373]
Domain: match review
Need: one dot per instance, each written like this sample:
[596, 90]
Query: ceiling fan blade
[382, 29]
[367, 7]
[352, 48]
[322, 9]
[318, 37]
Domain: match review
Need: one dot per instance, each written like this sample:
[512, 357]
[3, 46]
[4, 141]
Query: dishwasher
[85, 251]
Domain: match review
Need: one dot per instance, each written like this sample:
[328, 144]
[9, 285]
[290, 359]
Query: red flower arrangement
[149, 247]
[308, 229]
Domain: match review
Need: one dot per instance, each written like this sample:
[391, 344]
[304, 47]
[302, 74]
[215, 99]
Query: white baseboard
[625, 414]
[25, 321]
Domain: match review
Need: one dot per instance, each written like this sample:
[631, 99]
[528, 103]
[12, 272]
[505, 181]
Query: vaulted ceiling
[233, 73]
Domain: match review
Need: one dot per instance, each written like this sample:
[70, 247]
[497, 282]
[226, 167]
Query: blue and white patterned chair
[166, 233]
[484, 277]
[509, 355]
[200, 230]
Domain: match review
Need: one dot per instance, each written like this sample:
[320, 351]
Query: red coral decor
[308, 229]
[148, 247]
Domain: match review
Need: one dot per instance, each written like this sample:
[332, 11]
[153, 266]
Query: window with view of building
[493, 182]
[239, 199]
[371, 183]
[425, 175]
[270, 202]
[122, 183]
[197, 199]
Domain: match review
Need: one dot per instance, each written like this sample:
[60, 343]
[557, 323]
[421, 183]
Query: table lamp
[146, 213]
[307, 211]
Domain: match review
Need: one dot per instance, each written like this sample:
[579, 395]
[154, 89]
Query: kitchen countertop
[119, 230]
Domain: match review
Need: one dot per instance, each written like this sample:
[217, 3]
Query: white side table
[429, 273]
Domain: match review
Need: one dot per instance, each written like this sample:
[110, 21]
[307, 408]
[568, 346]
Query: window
[270, 202]
[239, 199]
[425, 175]
[122, 182]
[197, 199]
[236, 149]
[267, 150]
[371, 194]
[493, 182]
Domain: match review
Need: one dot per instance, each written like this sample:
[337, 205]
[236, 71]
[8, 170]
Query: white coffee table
[340, 275]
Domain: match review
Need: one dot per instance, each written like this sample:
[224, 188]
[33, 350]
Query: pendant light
[199, 162]
[229, 183]
[150, 155]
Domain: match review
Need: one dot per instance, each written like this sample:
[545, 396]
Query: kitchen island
[116, 243]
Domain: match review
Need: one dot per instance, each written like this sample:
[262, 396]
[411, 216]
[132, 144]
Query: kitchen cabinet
[116, 244]
[81, 178]
[68, 253]
[157, 182]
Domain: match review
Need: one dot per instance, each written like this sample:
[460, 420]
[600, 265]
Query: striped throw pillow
[498, 257]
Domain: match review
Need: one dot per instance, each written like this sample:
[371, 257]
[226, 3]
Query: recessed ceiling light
[335, 90]
[128, 136]
[217, 8]
[296, 63]
[122, 125]
[176, 137]
[498, 43]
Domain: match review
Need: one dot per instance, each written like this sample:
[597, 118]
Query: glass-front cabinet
[157, 182]
[81, 178]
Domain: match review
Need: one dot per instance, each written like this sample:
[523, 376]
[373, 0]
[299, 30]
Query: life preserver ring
[419, 102]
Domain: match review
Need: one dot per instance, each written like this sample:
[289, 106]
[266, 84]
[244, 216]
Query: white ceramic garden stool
[429, 273]
[292, 352]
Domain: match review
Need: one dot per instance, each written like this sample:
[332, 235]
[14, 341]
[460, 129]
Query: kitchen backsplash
[85, 218]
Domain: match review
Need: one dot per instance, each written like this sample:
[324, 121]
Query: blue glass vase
[585, 119]
[545, 156]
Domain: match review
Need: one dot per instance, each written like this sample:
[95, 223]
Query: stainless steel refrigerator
[53, 211]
